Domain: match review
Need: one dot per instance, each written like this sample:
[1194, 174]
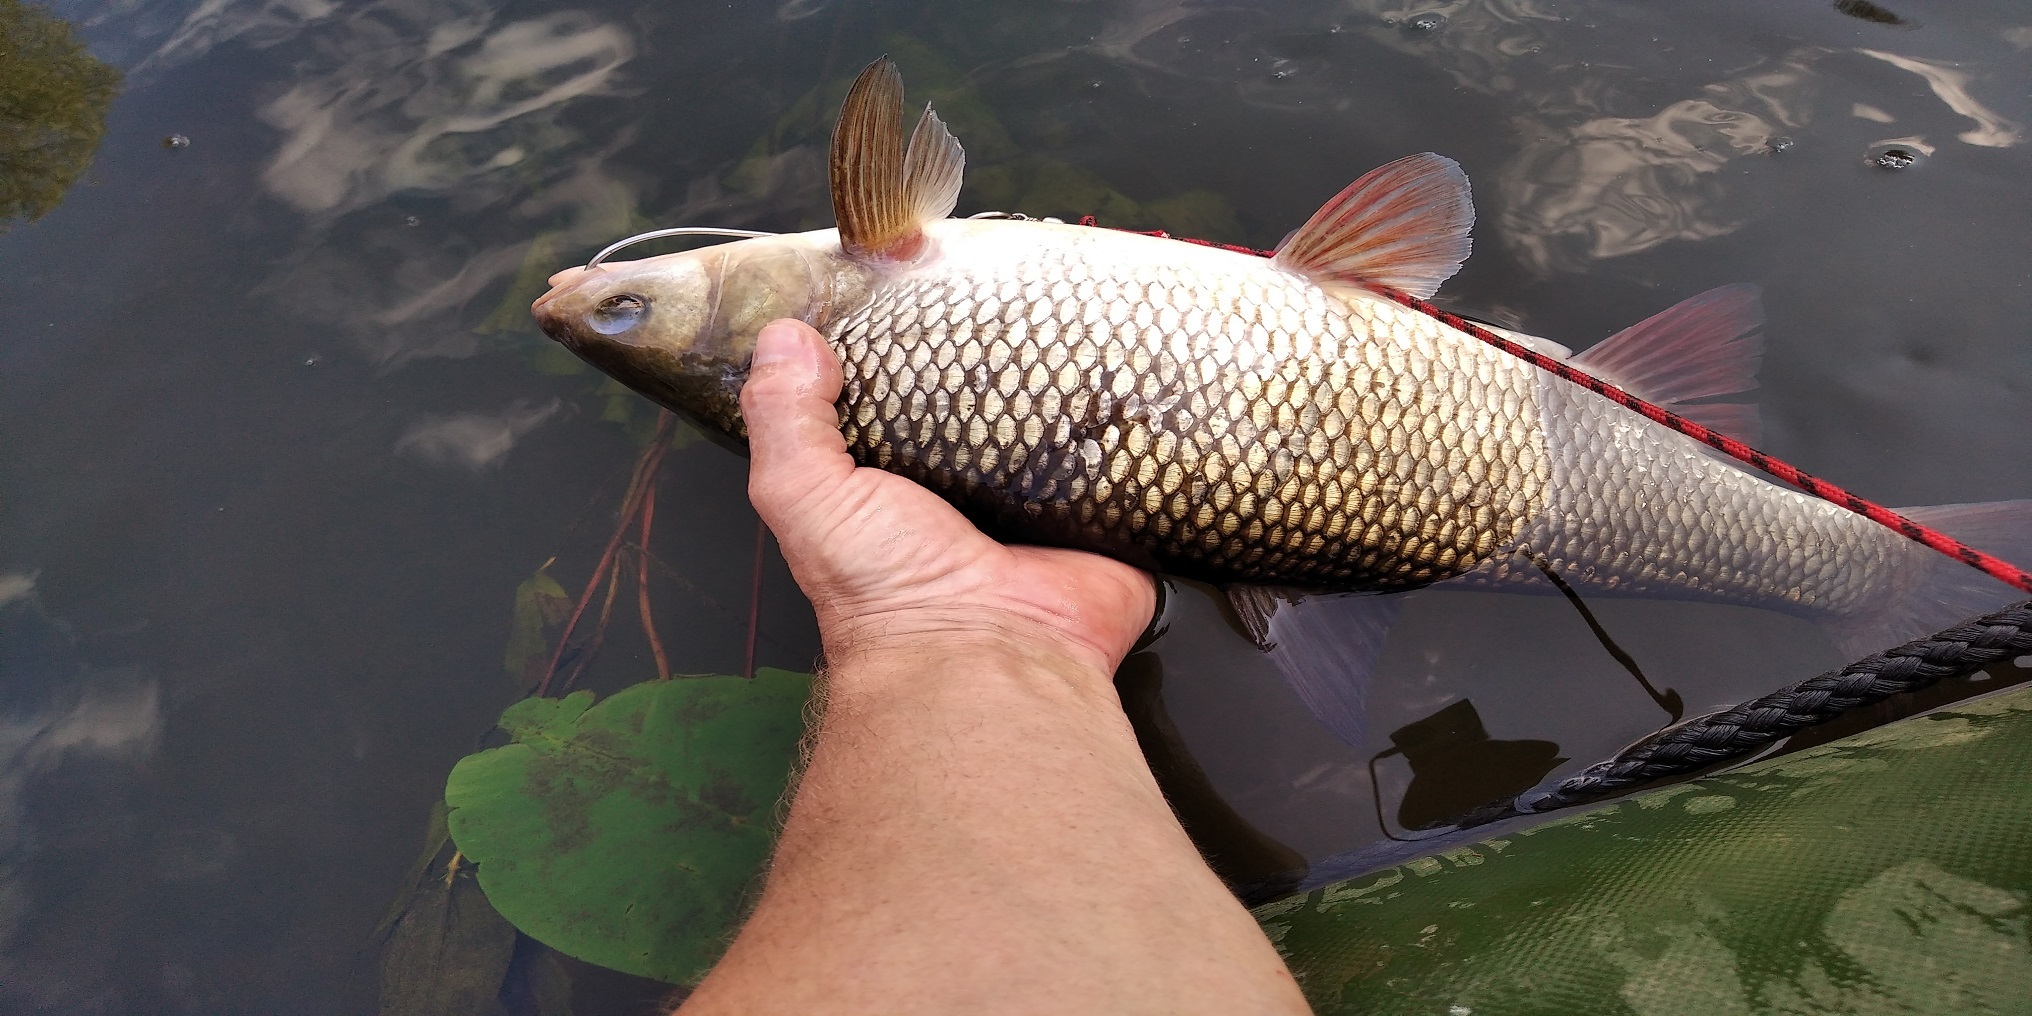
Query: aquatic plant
[628, 832]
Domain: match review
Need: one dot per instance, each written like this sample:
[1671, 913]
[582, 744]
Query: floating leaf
[539, 602]
[628, 833]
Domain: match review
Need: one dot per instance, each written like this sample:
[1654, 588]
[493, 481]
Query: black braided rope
[1718, 737]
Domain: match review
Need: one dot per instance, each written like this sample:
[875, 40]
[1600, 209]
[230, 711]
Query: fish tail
[1940, 590]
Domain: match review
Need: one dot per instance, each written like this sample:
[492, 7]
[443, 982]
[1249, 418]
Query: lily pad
[629, 833]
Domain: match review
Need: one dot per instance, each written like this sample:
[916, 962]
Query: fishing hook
[655, 234]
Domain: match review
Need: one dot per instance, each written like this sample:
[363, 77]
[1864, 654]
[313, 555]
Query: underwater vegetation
[53, 99]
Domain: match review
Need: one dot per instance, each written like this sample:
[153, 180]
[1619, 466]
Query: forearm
[977, 832]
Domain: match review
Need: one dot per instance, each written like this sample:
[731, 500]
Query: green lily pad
[629, 833]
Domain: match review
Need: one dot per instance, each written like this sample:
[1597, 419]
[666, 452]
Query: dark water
[277, 444]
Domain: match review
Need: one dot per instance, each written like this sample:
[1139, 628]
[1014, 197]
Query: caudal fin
[1942, 590]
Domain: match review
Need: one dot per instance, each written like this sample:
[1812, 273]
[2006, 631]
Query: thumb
[794, 441]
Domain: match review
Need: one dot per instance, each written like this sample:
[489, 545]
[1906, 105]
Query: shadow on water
[1456, 766]
[279, 444]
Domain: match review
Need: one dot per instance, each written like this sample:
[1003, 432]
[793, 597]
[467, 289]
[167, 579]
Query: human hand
[887, 564]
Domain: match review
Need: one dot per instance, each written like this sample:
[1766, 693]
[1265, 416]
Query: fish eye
[617, 314]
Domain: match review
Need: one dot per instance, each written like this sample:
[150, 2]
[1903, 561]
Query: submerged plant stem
[640, 482]
[755, 597]
[642, 585]
[599, 637]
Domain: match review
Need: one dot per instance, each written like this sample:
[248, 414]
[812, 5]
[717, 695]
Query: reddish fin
[1701, 347]
[1403, 226]
[882, 196]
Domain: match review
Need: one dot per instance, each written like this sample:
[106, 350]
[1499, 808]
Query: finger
[794, 441]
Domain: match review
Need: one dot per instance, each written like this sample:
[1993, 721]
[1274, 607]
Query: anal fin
[1325, 646]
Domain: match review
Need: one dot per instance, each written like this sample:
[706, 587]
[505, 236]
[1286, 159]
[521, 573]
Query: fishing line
[1995, 567]
[657, 234]
[1669, 699]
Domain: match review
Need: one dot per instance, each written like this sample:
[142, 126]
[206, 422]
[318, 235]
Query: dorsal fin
[1700, 347]
[1403, 226]
[883, 195]
[932, 169]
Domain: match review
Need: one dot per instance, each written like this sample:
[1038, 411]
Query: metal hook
[679, 231]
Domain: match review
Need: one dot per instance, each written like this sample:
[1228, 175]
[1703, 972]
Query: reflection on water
[473, 440]
[282, 441]
[425, 99]
[67, 730]
[53, 99]
[1620, 185]
[404, 111]
[1951, 85]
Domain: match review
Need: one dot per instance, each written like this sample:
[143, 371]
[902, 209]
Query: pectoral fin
[1325, 646]
[1403, 226]
[883, 194]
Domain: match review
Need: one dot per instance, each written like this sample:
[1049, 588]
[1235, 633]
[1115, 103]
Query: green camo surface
[1883, 873]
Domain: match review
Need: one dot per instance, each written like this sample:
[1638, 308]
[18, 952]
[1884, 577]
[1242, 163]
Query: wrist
[958, 645]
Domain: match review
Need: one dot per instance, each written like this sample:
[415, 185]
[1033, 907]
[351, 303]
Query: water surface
[277, 440]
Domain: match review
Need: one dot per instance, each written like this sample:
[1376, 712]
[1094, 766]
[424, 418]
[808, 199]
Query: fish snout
[661, 305]
[560, 283]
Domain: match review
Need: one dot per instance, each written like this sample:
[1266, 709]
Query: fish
[1278, 426]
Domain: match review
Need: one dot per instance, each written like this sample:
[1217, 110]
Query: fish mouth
[560, 284]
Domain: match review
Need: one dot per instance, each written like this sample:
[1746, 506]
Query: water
[274, 464]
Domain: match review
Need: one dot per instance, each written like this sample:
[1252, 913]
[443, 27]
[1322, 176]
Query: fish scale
[1637, 510]
[1234, 426]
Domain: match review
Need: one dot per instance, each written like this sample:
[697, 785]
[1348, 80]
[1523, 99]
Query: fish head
[680, 328]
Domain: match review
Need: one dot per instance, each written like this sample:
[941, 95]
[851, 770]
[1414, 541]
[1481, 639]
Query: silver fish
[1271, 425]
